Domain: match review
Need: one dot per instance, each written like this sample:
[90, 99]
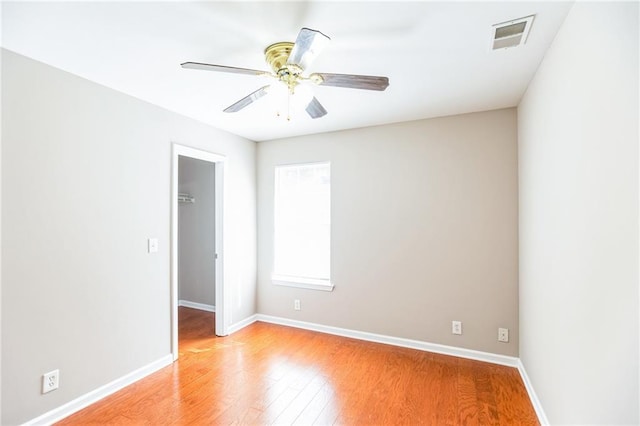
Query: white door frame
[222, 313]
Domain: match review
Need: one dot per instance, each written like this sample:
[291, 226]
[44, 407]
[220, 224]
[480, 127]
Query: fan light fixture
[291, 92]
[288, 61]
[285, 100]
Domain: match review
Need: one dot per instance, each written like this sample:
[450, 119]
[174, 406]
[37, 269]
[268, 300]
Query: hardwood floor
[269, 374]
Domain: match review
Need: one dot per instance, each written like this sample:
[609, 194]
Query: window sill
[299, 282]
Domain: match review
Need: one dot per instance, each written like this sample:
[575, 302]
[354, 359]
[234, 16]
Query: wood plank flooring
[269, 374]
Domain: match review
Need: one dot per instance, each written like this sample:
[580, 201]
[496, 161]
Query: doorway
[210, 175]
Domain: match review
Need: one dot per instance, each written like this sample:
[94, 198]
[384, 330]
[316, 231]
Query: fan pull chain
[289, 92]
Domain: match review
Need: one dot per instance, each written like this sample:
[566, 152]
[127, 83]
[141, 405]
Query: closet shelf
[186, 198]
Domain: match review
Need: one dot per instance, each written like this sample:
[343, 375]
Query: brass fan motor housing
[277, 55]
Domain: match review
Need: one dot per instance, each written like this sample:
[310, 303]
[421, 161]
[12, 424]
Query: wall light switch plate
[152, 245]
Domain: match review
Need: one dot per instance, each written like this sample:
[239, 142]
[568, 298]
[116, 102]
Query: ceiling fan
[288, 62]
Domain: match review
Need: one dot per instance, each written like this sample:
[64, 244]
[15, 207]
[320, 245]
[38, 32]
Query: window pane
[303, 221]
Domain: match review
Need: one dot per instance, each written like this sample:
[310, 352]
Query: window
[302, 222]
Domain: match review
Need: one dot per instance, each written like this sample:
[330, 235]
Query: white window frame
[296, 281]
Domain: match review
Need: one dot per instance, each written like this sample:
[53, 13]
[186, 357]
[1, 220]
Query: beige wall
[424, 230]
[85, 181]
[578, 163]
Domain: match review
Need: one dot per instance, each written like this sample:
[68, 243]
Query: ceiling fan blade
[365, 82]
[221, 68]
[315, 109]
[248, 100]
[308, 45]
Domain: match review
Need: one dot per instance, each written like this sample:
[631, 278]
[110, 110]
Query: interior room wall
[578, 164]
[86, 175]
[196, 232]
[424, 230]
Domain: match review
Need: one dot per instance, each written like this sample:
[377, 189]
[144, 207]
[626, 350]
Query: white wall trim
[242, 324]
[542, 417]
[306, 283]
[395, 341]
[196, 305]
[87, 399]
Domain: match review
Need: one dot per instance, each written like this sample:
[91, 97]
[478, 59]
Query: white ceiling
[436, 55]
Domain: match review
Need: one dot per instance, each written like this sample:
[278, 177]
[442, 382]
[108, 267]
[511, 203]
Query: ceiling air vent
[511, 33]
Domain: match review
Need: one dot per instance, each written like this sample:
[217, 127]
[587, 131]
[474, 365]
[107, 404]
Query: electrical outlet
[296, 304]
[456, 327]
[50, 381]
[503, 335]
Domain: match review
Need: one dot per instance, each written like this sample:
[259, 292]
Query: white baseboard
[87, 399]
[242, 324]
[542, 417]
[196, 305]
[395, 341]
